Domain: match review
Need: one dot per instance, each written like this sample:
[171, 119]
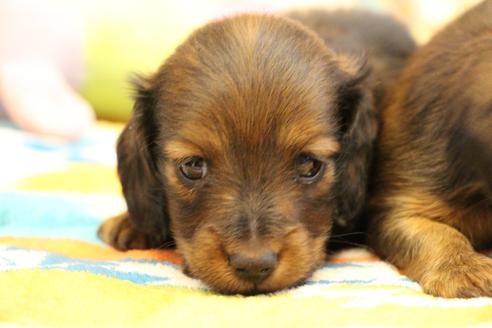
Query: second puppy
[433, 201]
[253, 142]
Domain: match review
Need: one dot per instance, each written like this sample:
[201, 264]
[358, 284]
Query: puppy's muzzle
[253, 268]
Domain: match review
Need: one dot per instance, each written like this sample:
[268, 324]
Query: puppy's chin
[299, 254]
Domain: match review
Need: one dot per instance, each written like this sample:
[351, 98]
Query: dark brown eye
[193, 168]
[308, 168]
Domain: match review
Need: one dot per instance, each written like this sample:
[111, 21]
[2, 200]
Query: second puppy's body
[433, 202]
[249, 146]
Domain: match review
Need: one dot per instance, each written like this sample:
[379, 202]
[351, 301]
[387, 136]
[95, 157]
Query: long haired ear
[139, 175]
[358, 121]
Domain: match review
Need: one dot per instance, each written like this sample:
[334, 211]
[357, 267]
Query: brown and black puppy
[433, 201]
[248, 145]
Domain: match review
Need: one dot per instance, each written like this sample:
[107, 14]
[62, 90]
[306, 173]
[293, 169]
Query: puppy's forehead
[250, 81]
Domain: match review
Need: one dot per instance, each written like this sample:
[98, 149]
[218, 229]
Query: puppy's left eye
[308, 168]
[193, 168]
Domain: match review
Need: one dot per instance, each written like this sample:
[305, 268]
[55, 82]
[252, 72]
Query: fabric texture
[55, 272]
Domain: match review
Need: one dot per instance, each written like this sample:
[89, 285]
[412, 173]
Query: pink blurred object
[40, 64]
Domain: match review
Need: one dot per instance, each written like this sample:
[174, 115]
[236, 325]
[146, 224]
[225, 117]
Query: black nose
[254, 269]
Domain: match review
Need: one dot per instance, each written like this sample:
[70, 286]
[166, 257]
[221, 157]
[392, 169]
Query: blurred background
[65, 62]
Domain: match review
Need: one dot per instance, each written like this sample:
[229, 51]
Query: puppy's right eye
[309, 169]
[193, 168]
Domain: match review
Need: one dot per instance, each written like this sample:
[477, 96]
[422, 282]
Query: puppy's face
[244, 129]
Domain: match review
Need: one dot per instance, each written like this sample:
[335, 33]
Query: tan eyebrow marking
[194, 139]
[323, 146]
[176, 150]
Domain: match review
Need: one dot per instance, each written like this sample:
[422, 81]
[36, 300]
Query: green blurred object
[127, 37]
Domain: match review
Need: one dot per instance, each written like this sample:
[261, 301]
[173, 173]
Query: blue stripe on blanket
[24, 214]
[137, 271]
[356, 281]
[88, 149]
[343, 265]
[154, 272]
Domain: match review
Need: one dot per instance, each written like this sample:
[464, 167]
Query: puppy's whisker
[349, 234]
[166, 244]
[344, 242]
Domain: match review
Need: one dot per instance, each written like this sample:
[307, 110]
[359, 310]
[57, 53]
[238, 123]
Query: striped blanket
[55, 272]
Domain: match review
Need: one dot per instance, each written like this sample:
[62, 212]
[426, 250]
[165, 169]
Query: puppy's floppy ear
[351, 90]
[358, 127]
[139, 175]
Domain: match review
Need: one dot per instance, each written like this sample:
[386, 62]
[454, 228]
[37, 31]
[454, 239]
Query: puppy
[251, 143]
[432, 207]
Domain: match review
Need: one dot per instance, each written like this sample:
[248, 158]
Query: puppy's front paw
[465, 278]
[120, 233]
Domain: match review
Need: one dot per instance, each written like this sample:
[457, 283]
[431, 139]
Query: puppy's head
[246, 146]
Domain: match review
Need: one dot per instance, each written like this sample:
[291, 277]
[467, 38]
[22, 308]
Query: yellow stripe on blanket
[77, 299]
[78, 177]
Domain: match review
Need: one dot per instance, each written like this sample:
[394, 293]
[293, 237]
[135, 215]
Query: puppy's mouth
[253, 271]
[259, 290]
[247, 288]
[268, 286]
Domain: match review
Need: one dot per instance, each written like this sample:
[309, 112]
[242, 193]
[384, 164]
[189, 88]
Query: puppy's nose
[254, 269]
